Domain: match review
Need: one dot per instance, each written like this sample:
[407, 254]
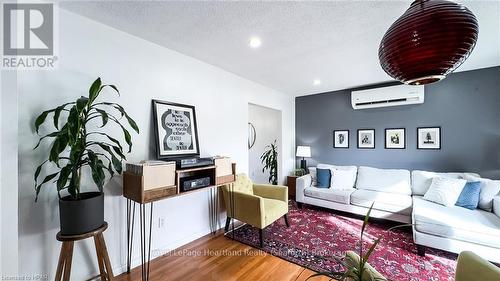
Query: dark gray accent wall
[465, 105]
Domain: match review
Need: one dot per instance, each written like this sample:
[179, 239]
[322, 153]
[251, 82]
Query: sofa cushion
[385, 180]
[476, 226]
[389, 202]
[339, 196]
[489, 189]
[445, 191]
[421, 180]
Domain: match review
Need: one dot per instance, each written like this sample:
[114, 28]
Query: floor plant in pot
[270, 160]
[79, 144]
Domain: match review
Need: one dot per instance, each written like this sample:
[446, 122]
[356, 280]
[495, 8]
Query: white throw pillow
[342, 179]
[489, 189]
[314, 179]
[445, 191]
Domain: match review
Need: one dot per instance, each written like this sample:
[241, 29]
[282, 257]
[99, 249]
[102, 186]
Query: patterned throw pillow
[445, 191]
[314, 179]
[469, 198]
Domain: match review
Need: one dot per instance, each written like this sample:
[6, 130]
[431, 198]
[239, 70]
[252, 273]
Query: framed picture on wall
[429, 138]
[176, 131]
[395, 138]
[341, 139]
[366, 138]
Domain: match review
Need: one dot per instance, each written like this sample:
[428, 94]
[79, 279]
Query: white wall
[143, 71]
[8, 177]
[1, 210]
[267, 123]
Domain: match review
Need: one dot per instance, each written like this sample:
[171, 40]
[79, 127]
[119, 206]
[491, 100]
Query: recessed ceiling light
[255, 42]
[316, 82]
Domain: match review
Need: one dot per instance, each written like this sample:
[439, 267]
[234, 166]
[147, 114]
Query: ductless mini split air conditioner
[387, 96]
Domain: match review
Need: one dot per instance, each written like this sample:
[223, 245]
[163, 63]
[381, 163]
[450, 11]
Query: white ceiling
[336, 42]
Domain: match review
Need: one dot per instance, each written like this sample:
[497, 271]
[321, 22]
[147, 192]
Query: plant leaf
[119, 152]
[128, 138]
[113, 87]
[57, 113]
[370, 251]
[51, 135]
[81, 103]
[132, 123]
[38, 170]
[117, 164]
[96, 168]
[58, 146]
[40, 119]
[63, 176]
[73, 125]
[45, 180]
[94, 90]
[365, 221]
[110, 138]
[104, 116]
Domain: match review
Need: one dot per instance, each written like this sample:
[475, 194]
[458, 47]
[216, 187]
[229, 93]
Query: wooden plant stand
[66, 256]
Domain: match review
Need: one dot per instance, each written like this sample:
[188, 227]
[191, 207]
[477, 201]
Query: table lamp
[303, 151]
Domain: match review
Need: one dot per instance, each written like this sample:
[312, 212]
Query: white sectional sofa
[397, 195]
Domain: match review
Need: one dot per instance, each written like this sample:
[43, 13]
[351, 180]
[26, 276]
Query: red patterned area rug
[316, 234]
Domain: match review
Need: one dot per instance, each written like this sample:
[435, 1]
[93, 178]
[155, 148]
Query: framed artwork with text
[176, 132]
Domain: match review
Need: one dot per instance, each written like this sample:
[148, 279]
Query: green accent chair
[471, 267]
[256, 204]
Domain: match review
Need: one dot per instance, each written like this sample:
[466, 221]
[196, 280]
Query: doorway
[264, 127]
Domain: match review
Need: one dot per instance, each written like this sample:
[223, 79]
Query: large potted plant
[78, 144]
[270, 160]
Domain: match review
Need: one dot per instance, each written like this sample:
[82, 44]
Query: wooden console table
[134, 192]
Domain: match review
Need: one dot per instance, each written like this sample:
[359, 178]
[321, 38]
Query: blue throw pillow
[323, 178]
[469, 198]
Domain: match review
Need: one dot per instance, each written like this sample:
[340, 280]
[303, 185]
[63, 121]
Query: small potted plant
[76, 146]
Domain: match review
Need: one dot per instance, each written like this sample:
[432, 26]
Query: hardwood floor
[215, 257]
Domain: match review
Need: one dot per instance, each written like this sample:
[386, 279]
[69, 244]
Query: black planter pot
[83, 215]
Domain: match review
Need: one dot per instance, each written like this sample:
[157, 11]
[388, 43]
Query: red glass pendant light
[430, 40]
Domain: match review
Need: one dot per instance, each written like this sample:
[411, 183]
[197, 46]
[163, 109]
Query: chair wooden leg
[104, 254]
[228, 221]
[261, 237]
[100, 260]
[286, 220]
[68, 260]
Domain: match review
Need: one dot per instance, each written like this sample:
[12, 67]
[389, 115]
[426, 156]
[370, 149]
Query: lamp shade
[430, 40]
[303, 151]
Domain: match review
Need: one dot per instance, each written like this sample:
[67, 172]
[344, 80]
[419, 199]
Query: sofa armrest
[301, 184]
[496, 205]
[471, 267]
[278, 192]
